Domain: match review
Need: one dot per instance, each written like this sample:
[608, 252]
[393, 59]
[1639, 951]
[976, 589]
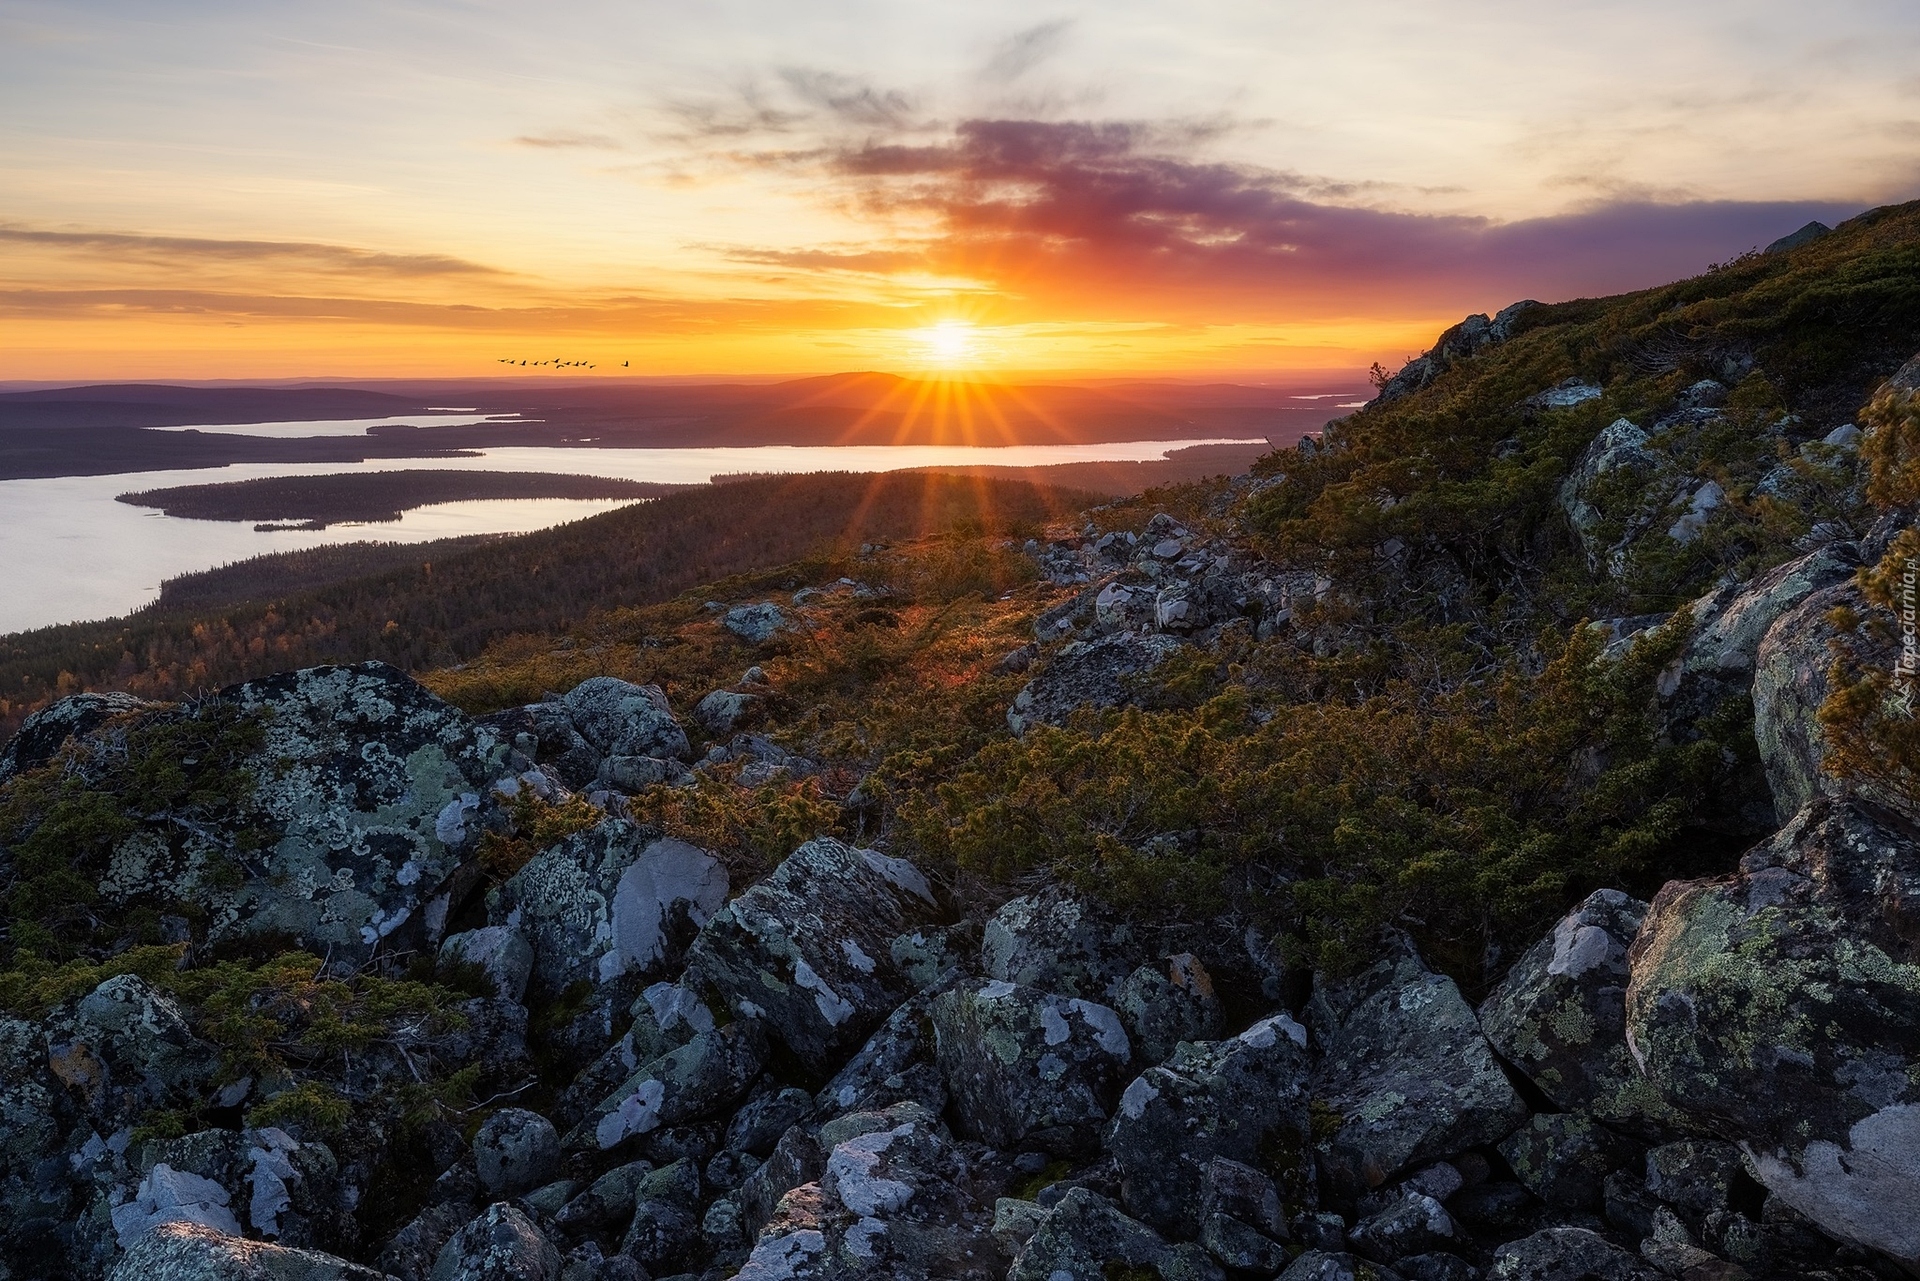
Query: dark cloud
[200, 252]
[851, 100]
[1124, 211]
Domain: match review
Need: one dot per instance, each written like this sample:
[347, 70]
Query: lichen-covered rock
[699, 1080]
[1163, 1005]
[666, 1217]
[34, 1114]
[1695, 1176]
[757, 624]
[500, 951]
[1564, 1158]
[1557, 1254]
[1027, 1068]
[195, 1252]
[1243, 1099]
[608, 902]
[127, 1048]
[368, 784]
[1415, 1224]
[1621, 449]
[1729, 625]
[1059, 943]
[808, 950]
[1780, 1008]
[620, 718]
[1322, 1265]
[1789, 685]
[515, 1150]
[1097, 673]
[1087, 1236]
[896, 1065]
[1407, 1073]
[722, 711]
[895, 1199]
[542, 734]
[501, 1244]
[48, 730]
[1560, 1013]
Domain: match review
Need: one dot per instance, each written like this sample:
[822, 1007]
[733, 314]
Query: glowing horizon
[745, 189]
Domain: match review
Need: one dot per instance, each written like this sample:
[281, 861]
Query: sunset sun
[950, 343]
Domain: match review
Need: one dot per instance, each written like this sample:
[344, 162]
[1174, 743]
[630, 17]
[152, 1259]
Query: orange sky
[217, 190]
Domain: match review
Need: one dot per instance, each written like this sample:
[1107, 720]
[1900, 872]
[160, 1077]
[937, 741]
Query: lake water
[70, 552]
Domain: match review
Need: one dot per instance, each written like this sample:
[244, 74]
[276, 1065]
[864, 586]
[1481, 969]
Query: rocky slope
[1277, 878]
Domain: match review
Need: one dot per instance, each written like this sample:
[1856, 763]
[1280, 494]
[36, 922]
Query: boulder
[608, 902]
[723, 711]
[808, 950]
[1560, 1013]
[666, 1217]
[1557, 1254]
[1564, 1158]
[1415, 1224]
[1467, 339]
[1027, 1068]
[515, 1151]
[1405, 1072]
[542, 734]
[1780, 1009]
[1697, 1177]
[699, 1080]
[896, 1065]
[757, 624]
[1621, 449]
[502, 1244]
[364, 786]
[1098, 673]
[1163, 1005]
[501, 953]
[1243, 1099]
[1322, 1265]
[48, 730]
[1058, 943]
[620, 718]
[131, 1047]
[1086, 1235]
[1789, 685]
[195, 1252]
[1730, 624]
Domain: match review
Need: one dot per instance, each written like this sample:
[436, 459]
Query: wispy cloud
[193, 250]
[563, 140]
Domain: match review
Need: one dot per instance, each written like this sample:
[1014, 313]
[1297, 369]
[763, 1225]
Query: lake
[72, 553]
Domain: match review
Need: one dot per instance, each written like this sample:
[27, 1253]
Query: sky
[256, 189]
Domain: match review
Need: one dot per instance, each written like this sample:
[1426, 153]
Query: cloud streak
[191, 250]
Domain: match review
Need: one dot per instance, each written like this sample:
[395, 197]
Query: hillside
[1480, 843]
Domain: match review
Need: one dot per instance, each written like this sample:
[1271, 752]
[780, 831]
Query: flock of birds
[554, 364]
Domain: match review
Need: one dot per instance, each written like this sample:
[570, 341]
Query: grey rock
[808, 950]
[1695, 1176]
[1163, 1005]
[1100, 673]
[1564, 1158]
[1621, 448]
[1239, 1246]
[1436, 1266]
[1322, 1265]
[1058, 943]
[542, 734]
[506, 957]
[1243, 1099]
[757, 624]
[1564, 394]
[723, 711]
[896, 1065]
[1564, 1254]
[368, 784]
[759, 1123]
[701, 1079]
[1560, 1013]
[501, 1244]
[1463, 341]
[1729, 626]
[1408, 1073]
[1805, 236]
[1416, 1224]
[1778, 1009]
[194, 1252]
[620, 718]
[666, 1217]
[608, 902]
[515, 1150]
[42, 735]
[1238, 1190]
[1083, 1235]
[606, 1201]
[795, 1160]
[1789, 685]
[143, 1040]
[1028, 1068]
